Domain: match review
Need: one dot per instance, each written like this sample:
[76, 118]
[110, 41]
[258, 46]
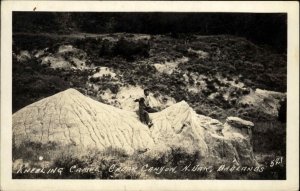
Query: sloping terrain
[70, 118]
[196, 82]
[213, 74]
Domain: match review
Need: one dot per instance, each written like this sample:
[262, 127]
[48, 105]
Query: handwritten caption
[114, 168]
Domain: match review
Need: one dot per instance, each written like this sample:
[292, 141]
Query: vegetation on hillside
[230, 60]
[262, 28]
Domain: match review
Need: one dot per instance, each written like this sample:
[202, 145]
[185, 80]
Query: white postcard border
[292, 8]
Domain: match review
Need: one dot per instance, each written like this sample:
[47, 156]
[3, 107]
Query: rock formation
[264, 101]
[72, 118]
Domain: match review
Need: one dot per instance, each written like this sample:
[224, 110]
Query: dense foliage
[262, 28]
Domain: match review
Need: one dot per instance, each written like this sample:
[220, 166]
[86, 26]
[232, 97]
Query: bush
[129, 49]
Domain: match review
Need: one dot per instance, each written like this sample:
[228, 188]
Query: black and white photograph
[155, 95]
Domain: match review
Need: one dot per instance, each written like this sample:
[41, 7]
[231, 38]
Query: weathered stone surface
[263, 101]
[72, 118]
[239, 123]
[66, 57]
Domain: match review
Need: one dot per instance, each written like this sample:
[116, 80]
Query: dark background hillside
[262, 28]
[251, 47]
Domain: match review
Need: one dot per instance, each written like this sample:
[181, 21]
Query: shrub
[129, 49]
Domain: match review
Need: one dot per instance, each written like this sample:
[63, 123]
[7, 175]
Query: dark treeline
[262, 28]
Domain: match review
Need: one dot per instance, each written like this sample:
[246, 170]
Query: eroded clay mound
[72, 118]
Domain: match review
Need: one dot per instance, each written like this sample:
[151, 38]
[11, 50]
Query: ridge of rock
[69, 117]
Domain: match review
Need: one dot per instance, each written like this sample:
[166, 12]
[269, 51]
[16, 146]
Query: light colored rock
[103, 71]
[201, 54]
[39, 53]
[125, 97]
[23, 56]
[141, 37]
[66, 48]
[67, 57]
[71, 118]
[55, 62]
[238, 125]
[169, 67]
[264, 101]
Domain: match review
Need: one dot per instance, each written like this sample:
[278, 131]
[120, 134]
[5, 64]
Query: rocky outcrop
[263, 101]
[23, 56]
[72, 118]
[125, 97]
[67, 57]
[170, 67]
[239, 125]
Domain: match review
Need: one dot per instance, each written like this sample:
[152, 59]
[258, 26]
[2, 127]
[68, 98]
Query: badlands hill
[218, 76]
[70, 118]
